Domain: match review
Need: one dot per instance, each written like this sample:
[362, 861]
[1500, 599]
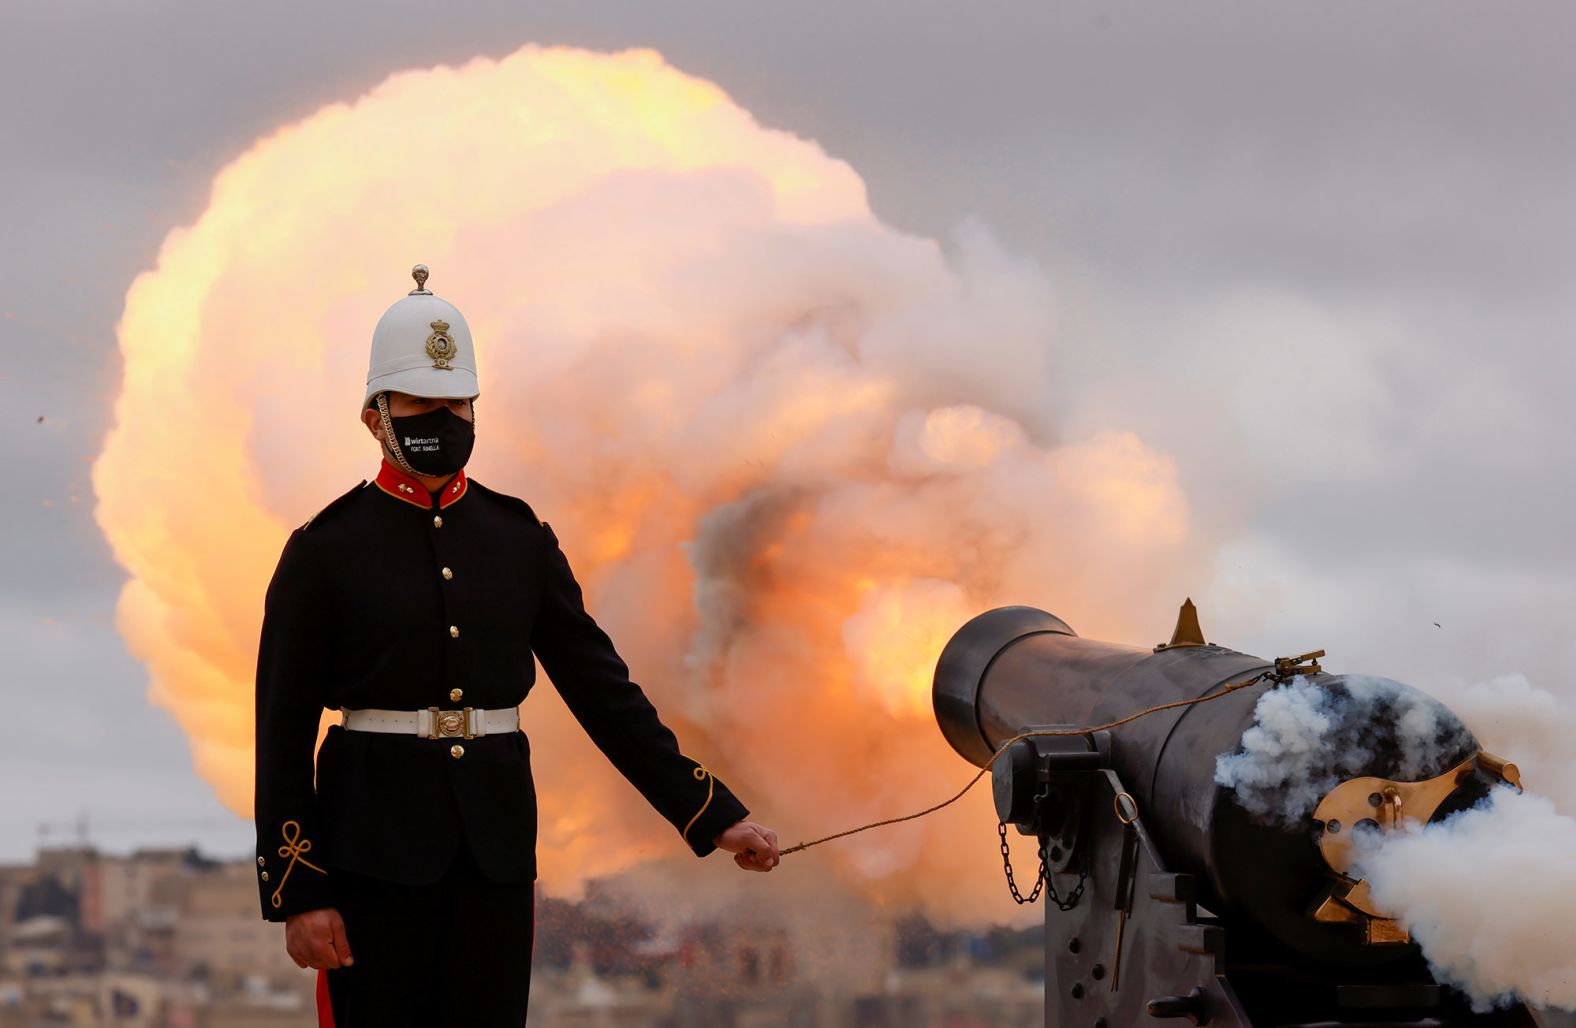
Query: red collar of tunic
[402, 487]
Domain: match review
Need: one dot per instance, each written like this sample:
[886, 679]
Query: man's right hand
[316, 938]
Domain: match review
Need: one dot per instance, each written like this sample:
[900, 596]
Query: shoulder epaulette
[333, 505]
[508, 501]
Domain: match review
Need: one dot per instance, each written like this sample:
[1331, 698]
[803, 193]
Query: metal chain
[1042, 881]
[1006, 864]
[390, 438]
[1072, 897]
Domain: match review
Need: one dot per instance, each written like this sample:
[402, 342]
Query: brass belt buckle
[451, 724]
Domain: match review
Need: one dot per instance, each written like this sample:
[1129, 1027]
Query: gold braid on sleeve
[702, 774]
[293, 848]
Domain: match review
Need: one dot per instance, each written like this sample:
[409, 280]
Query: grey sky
[1319, 253]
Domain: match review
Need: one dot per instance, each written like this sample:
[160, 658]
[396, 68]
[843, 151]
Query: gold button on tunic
[403, 820]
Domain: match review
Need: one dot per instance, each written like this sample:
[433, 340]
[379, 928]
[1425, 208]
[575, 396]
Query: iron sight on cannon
[1169, 899]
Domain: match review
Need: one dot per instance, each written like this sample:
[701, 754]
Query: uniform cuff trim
[702, 774]
[292, 849]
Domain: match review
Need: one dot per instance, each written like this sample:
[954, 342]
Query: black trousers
[454, 953]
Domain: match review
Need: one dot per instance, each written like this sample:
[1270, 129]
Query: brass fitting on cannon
[1383, 805]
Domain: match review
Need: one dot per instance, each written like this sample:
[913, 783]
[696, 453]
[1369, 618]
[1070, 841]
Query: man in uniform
[416, 606]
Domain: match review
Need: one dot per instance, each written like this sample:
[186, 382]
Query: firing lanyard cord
[1225, 690]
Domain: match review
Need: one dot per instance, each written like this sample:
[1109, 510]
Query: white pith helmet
[422, 346]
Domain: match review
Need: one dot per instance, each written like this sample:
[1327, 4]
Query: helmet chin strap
[389, 439]
[392, 442]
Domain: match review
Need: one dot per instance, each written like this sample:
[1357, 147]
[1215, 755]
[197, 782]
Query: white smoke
[1307, 738]
[1490, 895]
[1524, 723]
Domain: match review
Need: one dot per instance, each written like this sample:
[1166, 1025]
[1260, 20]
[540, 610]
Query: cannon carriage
[1166, 898]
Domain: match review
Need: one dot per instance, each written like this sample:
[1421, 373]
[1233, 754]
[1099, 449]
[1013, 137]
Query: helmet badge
[440, 347]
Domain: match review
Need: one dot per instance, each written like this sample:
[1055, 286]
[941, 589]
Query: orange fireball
[788, 448]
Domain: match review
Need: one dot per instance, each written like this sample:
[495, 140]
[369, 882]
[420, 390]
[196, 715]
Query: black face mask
[435, 443]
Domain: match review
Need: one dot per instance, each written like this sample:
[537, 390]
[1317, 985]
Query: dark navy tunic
[392, 599]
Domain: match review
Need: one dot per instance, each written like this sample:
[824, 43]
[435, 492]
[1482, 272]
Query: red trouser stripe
[325, 1009]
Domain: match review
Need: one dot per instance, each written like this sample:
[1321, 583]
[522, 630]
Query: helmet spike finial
[419, 273]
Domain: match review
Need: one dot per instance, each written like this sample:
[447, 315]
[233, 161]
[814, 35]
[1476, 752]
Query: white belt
[432, 723]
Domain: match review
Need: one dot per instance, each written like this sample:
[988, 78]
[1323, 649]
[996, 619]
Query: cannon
[1167, 898]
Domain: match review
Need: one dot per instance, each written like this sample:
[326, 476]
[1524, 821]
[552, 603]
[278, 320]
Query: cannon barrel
[1016, 668]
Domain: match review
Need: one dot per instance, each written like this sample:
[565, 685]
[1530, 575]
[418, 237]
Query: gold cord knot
[293, 848]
